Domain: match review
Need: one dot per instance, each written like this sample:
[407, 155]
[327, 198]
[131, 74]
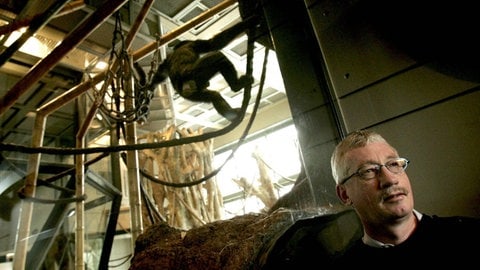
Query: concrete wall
[344, 70]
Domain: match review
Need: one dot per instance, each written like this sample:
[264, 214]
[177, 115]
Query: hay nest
[252, 241]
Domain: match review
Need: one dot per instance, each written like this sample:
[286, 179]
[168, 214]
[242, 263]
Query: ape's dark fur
[192, 63]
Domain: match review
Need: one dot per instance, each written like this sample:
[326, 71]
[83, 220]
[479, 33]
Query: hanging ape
[192, 63]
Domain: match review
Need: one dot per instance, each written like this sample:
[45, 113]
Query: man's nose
[387, 177]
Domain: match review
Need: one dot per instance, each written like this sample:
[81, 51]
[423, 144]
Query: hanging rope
[245, 132]
[112, 102]
[144, 89]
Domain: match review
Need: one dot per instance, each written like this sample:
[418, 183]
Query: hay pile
[254, 241]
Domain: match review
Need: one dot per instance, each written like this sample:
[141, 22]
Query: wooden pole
[21, 87]
[142, 52]
[133, 172]
[149, 48]
[37, 23]
[35, 74]
[23, 234]
[134, 189]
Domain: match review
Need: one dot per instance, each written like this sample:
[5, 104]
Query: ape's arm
[160, 75]
[220, 40]
[190, 71]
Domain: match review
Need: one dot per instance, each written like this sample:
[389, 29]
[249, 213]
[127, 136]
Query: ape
[192, 63]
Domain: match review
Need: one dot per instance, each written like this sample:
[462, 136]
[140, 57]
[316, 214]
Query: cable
[51, 201]
[123, 260]
[72, 170]
[48, 183]
[153, 212]
[118, 148]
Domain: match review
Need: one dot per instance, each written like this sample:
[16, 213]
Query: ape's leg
[215, 62]
[218, 102]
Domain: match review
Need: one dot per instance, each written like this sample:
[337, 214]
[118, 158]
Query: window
[277, 153]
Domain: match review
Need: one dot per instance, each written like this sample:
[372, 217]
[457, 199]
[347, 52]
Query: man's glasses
[369, 171]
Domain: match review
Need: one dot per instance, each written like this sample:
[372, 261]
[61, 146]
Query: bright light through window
[280, 154]
[32, 46]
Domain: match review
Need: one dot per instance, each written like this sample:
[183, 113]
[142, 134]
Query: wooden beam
[69, 43]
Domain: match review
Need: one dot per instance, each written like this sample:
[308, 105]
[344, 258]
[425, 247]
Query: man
[370, 176]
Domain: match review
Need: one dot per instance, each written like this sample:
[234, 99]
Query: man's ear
[342, 194]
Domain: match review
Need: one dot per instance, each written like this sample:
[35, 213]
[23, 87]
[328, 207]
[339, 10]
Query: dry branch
[186, 207]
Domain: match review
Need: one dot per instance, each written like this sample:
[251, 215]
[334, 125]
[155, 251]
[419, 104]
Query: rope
[173, 142]
[242, 137]
[48, 183]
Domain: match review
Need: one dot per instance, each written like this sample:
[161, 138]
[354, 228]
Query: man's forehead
[371, 152]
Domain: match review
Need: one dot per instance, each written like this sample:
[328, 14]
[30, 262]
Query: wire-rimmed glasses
[369, 171]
